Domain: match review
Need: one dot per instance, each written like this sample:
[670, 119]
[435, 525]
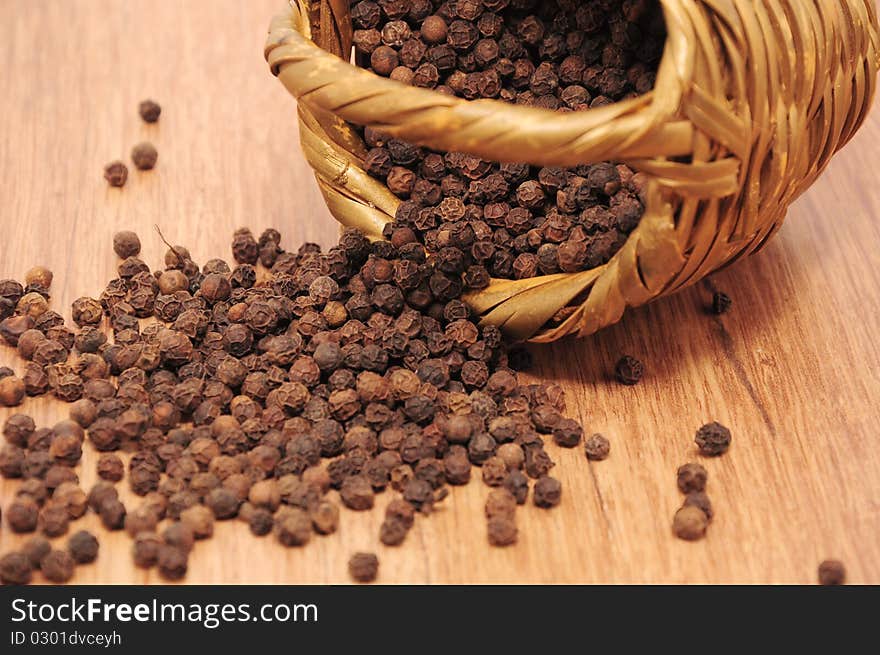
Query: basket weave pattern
[752, 99]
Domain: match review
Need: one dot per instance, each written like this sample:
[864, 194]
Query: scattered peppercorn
[15, 568]
[363, 567]
[721, 303]
[110, 467]
[39, 276]
[713, 439]
[502, 531]
[22, 514]
[144, 156]
[58, 566]
[831, 573]
[597, 448]
[690, 523]
[548, 492]
[691, 477]
[83, 547]
[629, 370]
[126, 244]
[112, 513]
[53, 519]
[12, 391]
[116, 173]
[145, 549]
[356, 369]
[149, 111]
[173, 562]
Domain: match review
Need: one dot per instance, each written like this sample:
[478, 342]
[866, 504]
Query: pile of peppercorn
[253, 391]
[510, 221]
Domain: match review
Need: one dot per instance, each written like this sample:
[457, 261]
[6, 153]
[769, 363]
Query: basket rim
[648, 126]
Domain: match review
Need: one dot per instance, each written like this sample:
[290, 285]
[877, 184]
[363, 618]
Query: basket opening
[513, 221]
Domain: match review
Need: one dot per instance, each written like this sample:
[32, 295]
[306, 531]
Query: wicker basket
[752, 99]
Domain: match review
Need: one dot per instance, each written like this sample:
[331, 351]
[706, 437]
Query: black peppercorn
[629, 370]
[548, 492]
[597, 447]
[831, 572]
[691, 477]
[149, 111]
[83, 547]
[713, 439]
[15, 568]
[721, 303]
[116, 173]
[363, 567]
[144, 156]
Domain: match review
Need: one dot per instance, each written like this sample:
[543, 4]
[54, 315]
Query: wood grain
[793, 369]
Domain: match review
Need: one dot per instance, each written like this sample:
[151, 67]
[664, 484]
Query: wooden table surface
[793, 369]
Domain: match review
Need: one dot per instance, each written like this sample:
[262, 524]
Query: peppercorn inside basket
[751, 101]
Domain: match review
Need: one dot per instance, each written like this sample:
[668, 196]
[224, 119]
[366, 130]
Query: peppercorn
[548, 492]
[12, 391]
[83, 547]
[597, 448]
[116, 173]
[494, 471]
[112, 513]
[149, 111]
[500, 504]
[537, 462]
[58, 566]
[293, 527]
[691, 477]
[53, 519]
[434, 30]
[690, 523]
[15, 568]
[518, 485]
[457, 467]
[11, 461]
[126, 244]
[363, 567]
[512, 455]
[18, 428]
[325, 517]
[502, 531]
[144, 156]
[357, 493]
[383, 60]
[721, 303]
[713, 439]
[22, 513]
[145, 549]
[832, 572]
[629, 370]
[173, 562]
[567, 432]
[69, 495]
